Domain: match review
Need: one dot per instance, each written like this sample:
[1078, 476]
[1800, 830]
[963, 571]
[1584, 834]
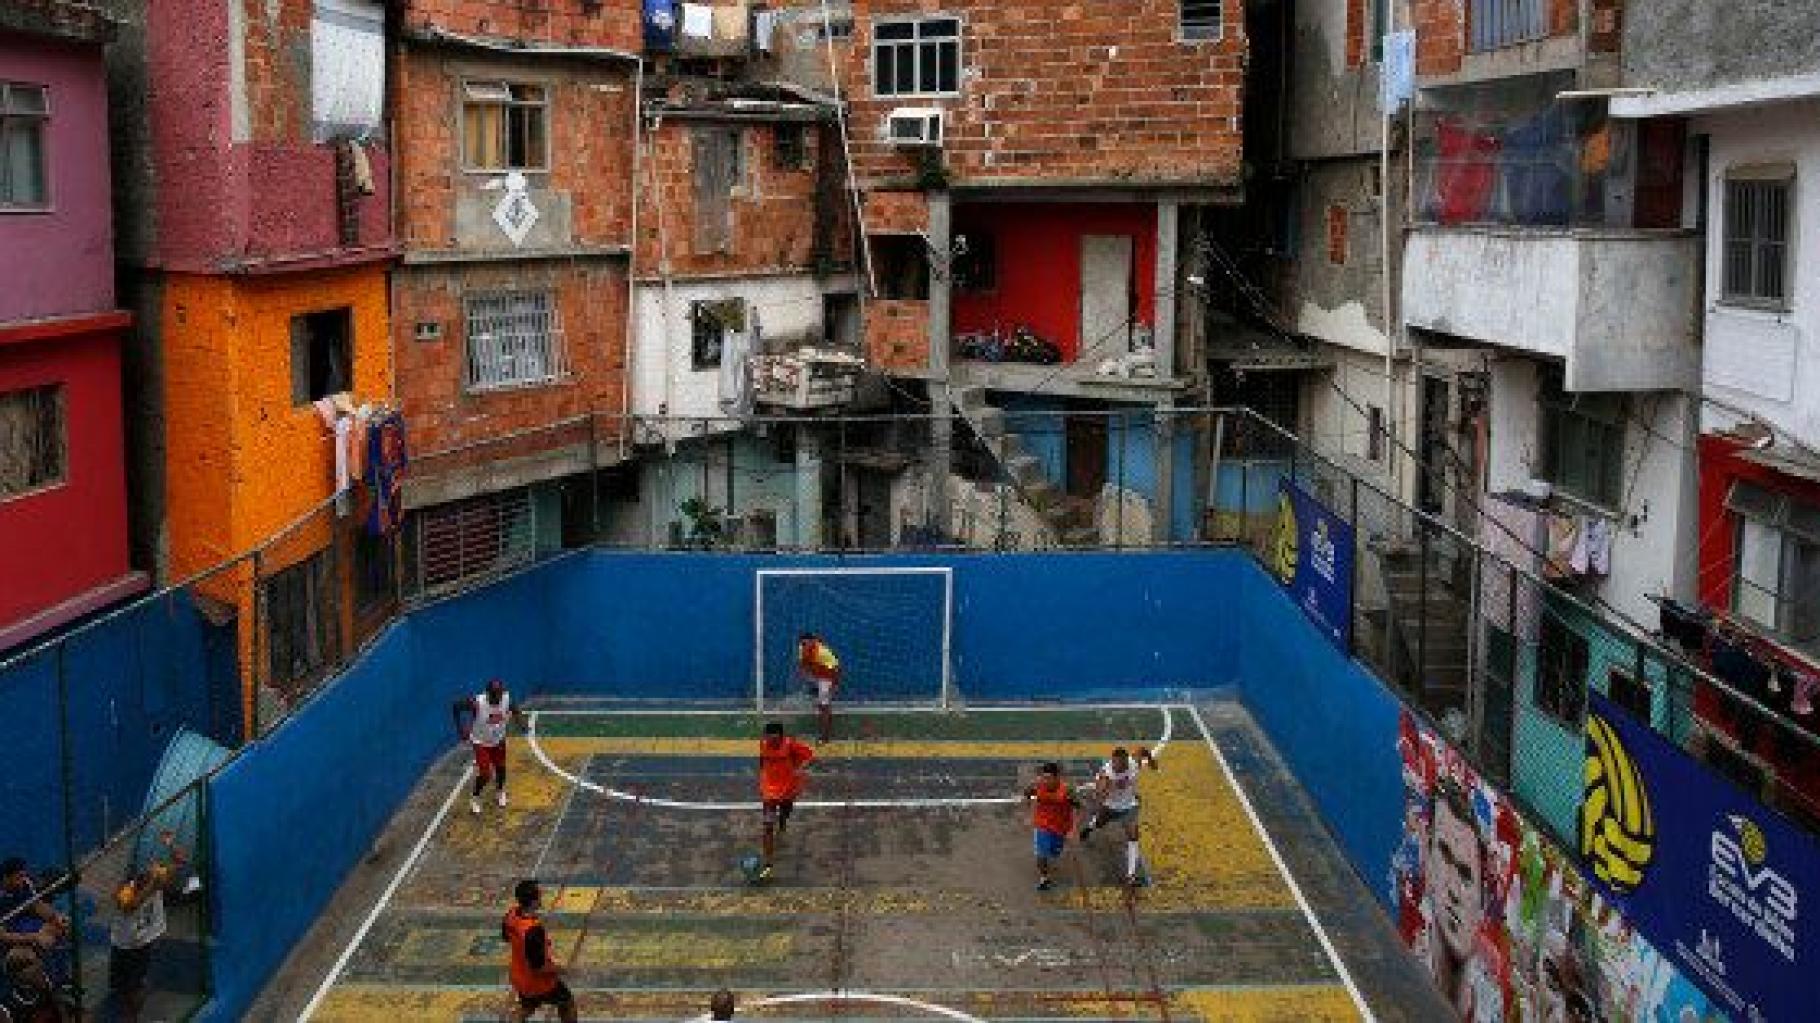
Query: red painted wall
[1720, 465]
[61, 542]
[1038, 253]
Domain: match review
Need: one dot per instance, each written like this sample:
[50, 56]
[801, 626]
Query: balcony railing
[1545, 167]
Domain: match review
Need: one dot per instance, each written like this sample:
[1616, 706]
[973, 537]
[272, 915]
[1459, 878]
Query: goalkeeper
[820, 669]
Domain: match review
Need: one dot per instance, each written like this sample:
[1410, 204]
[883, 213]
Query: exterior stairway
[1069, 520]
[1429, 626]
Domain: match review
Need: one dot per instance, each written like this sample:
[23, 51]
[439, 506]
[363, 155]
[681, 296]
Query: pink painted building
[63, 518]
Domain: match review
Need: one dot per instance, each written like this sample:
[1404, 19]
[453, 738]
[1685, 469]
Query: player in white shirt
[1116, 787]
[492, 712]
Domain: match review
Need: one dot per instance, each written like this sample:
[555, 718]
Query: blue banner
[1716, 881]
[1311, 555]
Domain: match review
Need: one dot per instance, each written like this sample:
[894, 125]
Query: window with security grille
[1776, 564]
[1200, 19]
[34, 440]
[302, 622]
[709, 323]
[1583, 443]
[24, 114]
[1562, 656]
[514, 340]
[479, 536]
[1756, 254]
[920, 57]
[503, 126]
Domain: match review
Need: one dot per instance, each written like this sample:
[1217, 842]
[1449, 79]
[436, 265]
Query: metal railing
[1495, 24]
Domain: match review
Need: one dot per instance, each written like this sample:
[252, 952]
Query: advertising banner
[1311, 555]
[1722, 885]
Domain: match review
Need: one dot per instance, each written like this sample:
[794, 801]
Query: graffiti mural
[1503, 918]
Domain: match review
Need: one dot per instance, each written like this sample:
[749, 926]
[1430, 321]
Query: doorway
[1431, 484]
[1086, 440]
[1105, 295]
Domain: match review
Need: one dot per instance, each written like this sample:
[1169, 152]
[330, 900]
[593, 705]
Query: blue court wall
[295, 812]
[1026, 626]
[1332, 720]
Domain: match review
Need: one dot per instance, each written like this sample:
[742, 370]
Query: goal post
[891, 627]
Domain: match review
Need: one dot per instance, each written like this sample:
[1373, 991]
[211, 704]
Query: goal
[890, 627]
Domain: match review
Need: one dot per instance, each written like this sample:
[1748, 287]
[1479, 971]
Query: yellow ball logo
[1283, 546]
[1751, 841]
[1617, 830]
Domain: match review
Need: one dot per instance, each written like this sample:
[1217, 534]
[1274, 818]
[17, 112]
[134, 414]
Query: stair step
[1027, 469]
[1081, 536]
[989, 422]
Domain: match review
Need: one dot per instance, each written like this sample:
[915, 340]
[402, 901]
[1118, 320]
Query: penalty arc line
[863, 997]
[385, 898]
[1276, 856]
[550, 765]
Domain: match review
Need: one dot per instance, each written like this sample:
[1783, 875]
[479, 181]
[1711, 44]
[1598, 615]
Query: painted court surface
[907, 873]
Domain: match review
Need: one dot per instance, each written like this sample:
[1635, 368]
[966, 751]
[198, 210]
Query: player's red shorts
[488, 759]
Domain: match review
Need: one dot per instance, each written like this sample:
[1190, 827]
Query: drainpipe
[629, 376]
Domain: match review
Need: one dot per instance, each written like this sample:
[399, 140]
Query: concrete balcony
[805, 380]
[1617, 306]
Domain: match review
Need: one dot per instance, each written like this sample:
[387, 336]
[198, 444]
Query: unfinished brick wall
[771, 210]
[1069, 92]
[1356, 31]
[591, 303]
[897, 334]
[896, 212]
[1605, 26]
[1440, 36]
[588, 118]
[616, 24]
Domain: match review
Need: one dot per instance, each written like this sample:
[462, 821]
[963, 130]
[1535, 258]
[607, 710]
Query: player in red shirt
[1054, 804]
[781, 763]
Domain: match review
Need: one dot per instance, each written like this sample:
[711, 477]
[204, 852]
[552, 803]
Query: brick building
[255, 185]
[1033, 175]
[63, 515]
[517, 135]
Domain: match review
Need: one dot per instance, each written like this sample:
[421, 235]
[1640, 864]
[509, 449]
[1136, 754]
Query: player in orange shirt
[781, 763]
[535, 974]
[1054, 804]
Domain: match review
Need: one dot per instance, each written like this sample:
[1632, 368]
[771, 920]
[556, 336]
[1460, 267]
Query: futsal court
[905, 881]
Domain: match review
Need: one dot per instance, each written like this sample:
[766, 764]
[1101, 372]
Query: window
[302, 634]
[1777, 567]
[1200, 19]
[975, 263]
[347, 68]
[901, 264]
[1337, 225]
[1374, 433]
[1561, 661]
[34, 442]
[917, 58]
[1630, 693]
[1756, 270]
[792, 142]
[322, 346]
[24, 110]
[514, 340]
[1380, 12]
[502, 127]
[374, 572]
[1583, 443]
[720, 167]
[474, 537]
[709, 323]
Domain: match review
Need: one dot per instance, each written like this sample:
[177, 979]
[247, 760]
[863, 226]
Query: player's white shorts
[824, 692]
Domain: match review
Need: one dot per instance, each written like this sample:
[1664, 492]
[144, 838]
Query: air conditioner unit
[914, 126]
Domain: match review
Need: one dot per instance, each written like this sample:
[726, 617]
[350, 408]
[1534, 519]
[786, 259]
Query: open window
[322, 354]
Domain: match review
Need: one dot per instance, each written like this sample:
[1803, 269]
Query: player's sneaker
[1086, 832]
[1044, 885]
[502, 797]
[1137, 880]
[474, 804]
[764, 872]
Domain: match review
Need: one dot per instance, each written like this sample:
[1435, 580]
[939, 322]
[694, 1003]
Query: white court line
[854, 708]
[385, 897]
[864, 804]
[841, 997]
[1276, 857]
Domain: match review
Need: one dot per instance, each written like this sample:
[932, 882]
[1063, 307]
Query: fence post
[1422, 615]
[251, 678]
[1358, 559]
[593, 479]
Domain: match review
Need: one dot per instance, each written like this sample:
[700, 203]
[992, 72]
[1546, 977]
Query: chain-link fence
[1464, 613]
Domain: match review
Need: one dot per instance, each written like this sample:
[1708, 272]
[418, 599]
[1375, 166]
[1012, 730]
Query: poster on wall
[1503, 919]
[1311, 555]
[1702, 868]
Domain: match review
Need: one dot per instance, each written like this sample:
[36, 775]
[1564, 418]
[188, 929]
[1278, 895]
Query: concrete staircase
[1428, 616]
[1069, 519]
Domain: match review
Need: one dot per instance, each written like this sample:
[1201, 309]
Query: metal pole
[1422, 615]
[253, 676]
[1358, 558]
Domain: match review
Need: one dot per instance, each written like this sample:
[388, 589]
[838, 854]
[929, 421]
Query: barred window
[34, 440]
[302, 622]
[514, 340]
[503, 126]
[1757, 212]
[1776, 563]
[1201, 19]
[1583, 443]
[921, 57]
[24, 111]
[1562, 658]
[479, 536]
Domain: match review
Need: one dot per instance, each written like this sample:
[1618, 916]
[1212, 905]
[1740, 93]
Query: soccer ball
[749, 867]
